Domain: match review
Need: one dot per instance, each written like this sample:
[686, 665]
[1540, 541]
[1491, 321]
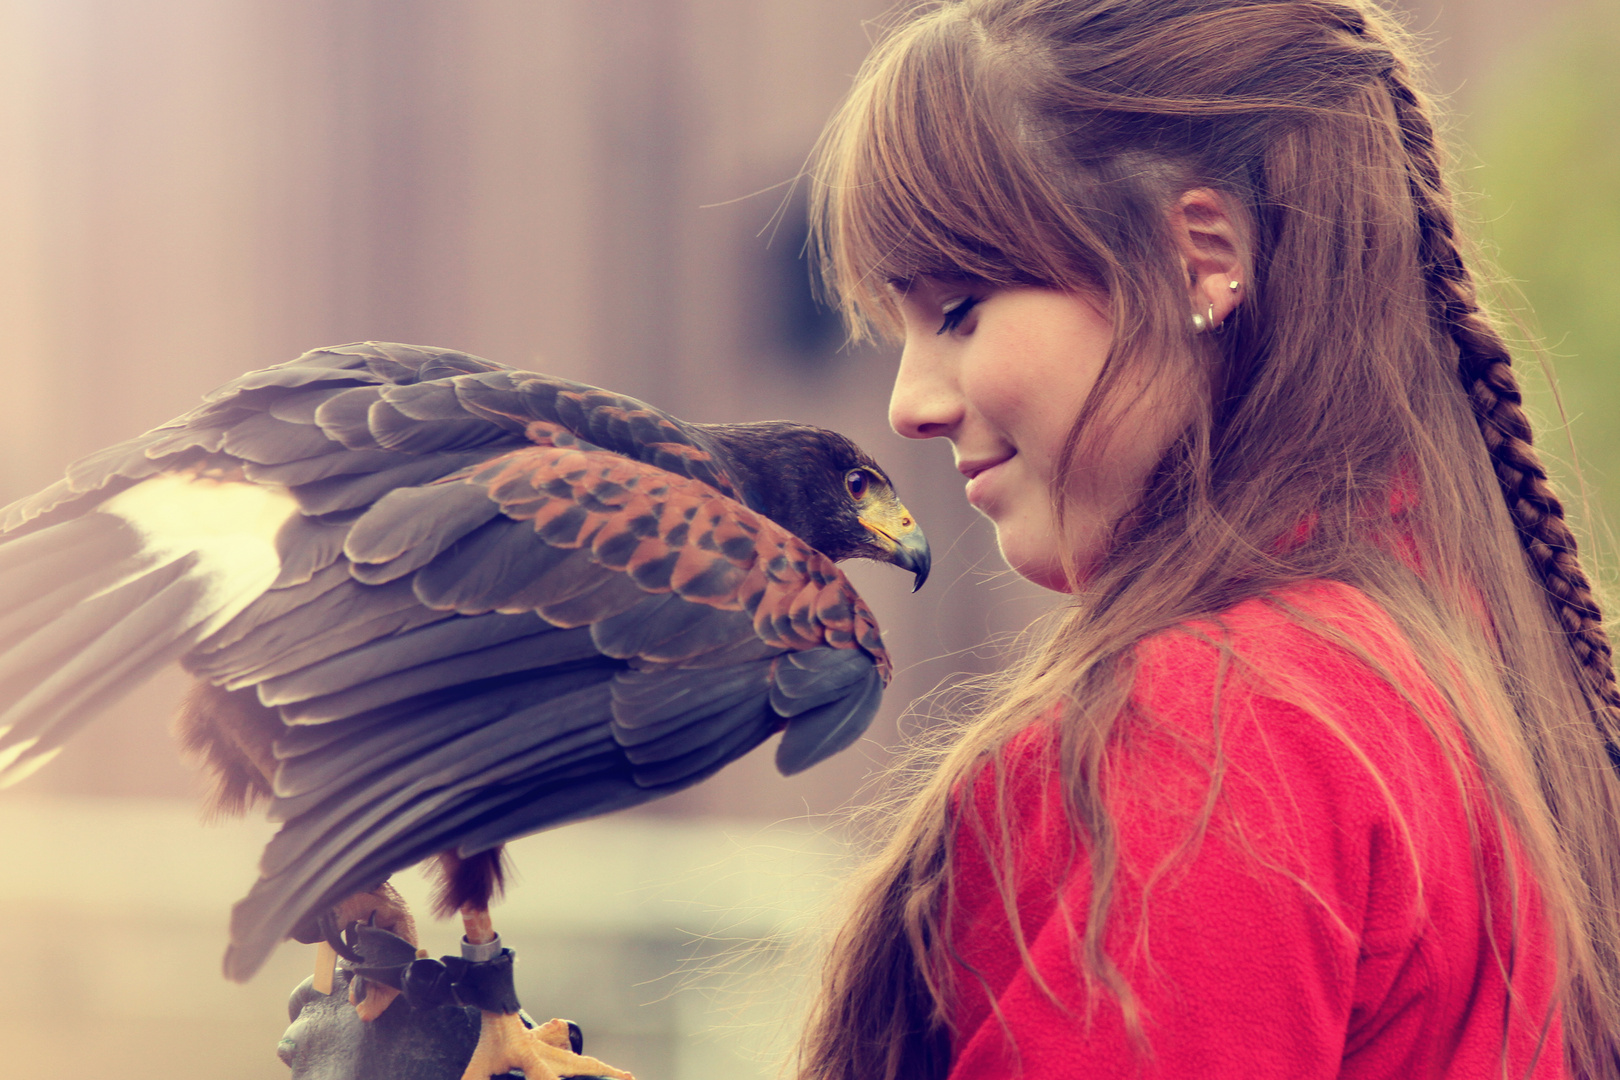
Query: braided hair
[1485, 369]
[1485, 372]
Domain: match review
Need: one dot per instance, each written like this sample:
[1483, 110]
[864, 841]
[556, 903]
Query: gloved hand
[431, 1039]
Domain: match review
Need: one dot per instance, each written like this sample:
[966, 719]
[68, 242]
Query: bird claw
[336, 935]
[360, 925]
[543, 1053]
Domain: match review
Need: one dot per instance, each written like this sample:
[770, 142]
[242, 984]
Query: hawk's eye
[856, 480]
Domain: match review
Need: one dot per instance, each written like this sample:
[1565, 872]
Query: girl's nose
[925, 402]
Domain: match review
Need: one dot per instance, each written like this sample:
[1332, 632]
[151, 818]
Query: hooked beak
[902, 540]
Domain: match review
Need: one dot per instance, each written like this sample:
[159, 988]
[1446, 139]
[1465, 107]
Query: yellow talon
[375, 1003]
[505, 1044]
[325, 967]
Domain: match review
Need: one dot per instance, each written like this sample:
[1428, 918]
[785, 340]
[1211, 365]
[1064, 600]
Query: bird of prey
[432, 604]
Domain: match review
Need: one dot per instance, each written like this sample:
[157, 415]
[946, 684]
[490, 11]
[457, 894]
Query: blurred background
[601, 189]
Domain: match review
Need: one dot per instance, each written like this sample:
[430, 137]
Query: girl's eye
[955, 312]
[856, 481]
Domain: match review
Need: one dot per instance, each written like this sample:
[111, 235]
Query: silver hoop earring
[1204, 322]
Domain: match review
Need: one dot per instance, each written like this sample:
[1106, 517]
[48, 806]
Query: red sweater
[1295, 940]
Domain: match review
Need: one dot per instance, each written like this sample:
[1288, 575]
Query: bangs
[924, 170]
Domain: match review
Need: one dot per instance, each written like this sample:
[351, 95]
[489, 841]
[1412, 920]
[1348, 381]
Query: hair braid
[1484, 367]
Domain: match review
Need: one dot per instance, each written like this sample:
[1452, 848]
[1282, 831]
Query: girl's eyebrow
[908, 282]
[903, 284]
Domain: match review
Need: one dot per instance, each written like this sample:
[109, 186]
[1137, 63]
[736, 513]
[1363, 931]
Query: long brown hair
[1043, 142]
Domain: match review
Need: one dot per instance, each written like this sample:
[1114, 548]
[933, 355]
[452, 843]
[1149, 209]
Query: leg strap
[453, 980]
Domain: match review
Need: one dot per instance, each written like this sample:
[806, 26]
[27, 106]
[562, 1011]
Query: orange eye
[856, 481]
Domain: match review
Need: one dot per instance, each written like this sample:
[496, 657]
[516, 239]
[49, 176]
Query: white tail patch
[10, 754]
[231, 525]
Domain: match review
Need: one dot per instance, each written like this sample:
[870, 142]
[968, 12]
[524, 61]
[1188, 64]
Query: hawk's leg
[504, 1043]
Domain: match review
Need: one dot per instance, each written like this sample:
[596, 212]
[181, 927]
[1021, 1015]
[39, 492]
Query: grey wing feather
[818, 734]
[556, 647]
[416, 522]
[811, 678]
[696, 752]
[335, 494]
[336, 462]
[401, 652]
[307, 546]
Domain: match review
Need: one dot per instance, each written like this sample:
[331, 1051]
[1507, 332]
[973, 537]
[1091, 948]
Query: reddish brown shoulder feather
[670, 533]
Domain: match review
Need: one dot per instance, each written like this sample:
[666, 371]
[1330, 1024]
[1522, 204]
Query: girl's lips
[979, 475]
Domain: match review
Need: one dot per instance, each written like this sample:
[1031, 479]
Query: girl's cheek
[996, 393]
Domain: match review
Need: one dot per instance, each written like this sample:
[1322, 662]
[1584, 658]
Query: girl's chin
[1042, 567]
[1045, 569]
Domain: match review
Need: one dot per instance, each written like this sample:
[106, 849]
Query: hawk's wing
[411, 408]
[477, 623]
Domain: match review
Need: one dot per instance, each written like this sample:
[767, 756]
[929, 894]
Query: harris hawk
[432, 604]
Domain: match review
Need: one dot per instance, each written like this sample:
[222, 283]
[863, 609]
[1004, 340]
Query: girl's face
[1002, 373]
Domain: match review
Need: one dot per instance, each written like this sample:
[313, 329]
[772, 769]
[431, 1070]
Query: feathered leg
[234, 736]
[504, 1043]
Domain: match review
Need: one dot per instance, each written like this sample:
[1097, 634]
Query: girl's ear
[1214, 253]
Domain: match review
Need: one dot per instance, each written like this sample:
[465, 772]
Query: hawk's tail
[93, 606]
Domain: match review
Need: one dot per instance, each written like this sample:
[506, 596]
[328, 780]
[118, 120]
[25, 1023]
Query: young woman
[1316, 777]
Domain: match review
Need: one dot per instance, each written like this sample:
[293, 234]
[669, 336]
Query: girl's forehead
[923, 173]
